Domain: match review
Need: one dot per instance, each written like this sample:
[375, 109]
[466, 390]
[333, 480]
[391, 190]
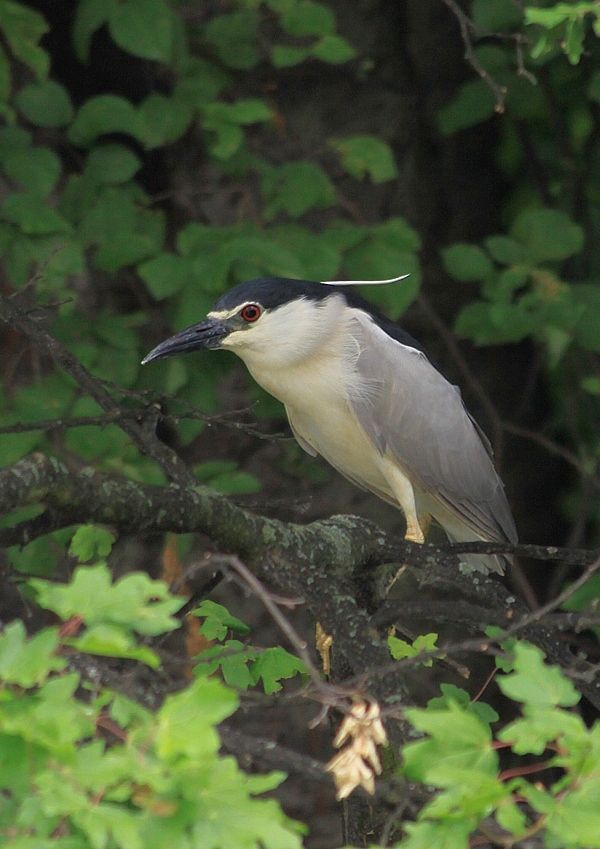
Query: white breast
[315, 395]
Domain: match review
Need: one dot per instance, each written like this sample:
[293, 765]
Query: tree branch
[316, 561]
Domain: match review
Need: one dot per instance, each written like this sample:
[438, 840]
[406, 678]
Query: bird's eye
[251, 312]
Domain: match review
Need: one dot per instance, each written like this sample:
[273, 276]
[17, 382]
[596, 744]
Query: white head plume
[363, 282]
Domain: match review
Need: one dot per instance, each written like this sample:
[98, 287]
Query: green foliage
[366, 155]
[46, 104]
[423, 644]
[23, 28]
[217, 621]
[562, 26]
[458, 756]
[161, 781]
[113, 613]
[524, 294]
[90, 542]
[241, 665]
[296, 188]
[226, 478]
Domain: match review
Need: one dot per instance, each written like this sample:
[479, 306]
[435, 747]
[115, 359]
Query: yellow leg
[405, 495]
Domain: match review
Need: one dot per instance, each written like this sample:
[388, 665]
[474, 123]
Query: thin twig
[143, 436]
[467, 31]
[299, 645]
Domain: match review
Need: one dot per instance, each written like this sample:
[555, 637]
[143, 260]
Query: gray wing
[411, 411]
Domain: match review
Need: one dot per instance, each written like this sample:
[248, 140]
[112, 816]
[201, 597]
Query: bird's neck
[320, 377]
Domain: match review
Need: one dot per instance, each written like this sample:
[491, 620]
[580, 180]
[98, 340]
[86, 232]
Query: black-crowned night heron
[360, 392]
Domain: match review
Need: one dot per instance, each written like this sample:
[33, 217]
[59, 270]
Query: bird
[360, 392]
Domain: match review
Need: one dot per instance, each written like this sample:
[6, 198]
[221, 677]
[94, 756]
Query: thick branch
[297, 559]
[314, 561]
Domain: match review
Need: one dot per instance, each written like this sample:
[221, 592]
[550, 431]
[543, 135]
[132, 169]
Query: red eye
[250, 312]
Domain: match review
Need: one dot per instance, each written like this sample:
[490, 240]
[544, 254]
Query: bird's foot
[414, 533]
[323, 643]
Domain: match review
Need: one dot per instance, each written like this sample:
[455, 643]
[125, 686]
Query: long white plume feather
[363, 282]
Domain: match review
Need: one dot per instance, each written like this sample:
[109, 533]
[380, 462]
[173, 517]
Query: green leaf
[510, 817]
[113, 641]
[250, 256]
[46, 104]
[185, 721]
[471, 105]
[450, 693]
[227, 137]
[232, 658]
[547, 234]
[457, 740]
[283, 56]
[53, 719]
[233, 36]
[91, 542]
[306, 17]
[443, 834]
[165, 274]
[218, 620]
[551, 17]
[505, 250]
[164, 120]
[143, 28]
[112, 164]
[495, 15]
[201, 83]
[400, 649]
[573, 42]
[89, 17]
[591, 385]
[36, 169]
[23, 28]
[236, 483]
[321, 260]
[247, 111]
[135, 601]
[295, 188]
[104, 114]
[366, 155]
[589, 593]
[535, 683]
[467, 262]
[542, 725]
[28, 661]
[333, 49]
[576, 817]
[274, 665]
[33, 215]
[378, 258]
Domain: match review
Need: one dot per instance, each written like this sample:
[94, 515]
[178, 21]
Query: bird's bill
[207, 334]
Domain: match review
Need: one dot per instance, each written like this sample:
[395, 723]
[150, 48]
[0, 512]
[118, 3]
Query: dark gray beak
[207, 334]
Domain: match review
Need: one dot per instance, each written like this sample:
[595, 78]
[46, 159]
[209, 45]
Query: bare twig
[260, 591]
[470, 32]
[467, 32]
[143, 436]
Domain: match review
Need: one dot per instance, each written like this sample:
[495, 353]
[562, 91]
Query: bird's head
[269, 319]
